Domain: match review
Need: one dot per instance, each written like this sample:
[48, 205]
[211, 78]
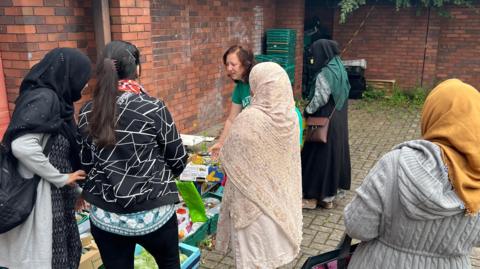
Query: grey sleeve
[363, 214]
[321, 96]
[29, 152]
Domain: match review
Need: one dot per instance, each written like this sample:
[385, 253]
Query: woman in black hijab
[326, 166]
[44, 112]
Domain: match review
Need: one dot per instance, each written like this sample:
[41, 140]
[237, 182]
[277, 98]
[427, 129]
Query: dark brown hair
[119, 60]
[244, 55]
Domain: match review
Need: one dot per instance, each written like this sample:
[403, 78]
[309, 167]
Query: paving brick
[323, 229]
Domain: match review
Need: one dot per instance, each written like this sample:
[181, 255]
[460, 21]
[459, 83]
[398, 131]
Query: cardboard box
[86, 239]
[91, 259]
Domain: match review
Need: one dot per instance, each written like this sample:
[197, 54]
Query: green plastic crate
[279, 59]
[280, 47]
[281, 32]
[281, 36]
[285, 53]
[200, 234]
[213, 221]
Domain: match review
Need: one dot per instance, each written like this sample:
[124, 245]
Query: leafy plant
[373, 94]
[408, 98]
[348, 6]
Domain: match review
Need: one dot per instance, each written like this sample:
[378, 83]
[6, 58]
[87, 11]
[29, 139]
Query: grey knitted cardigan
[408, 215]
[29, 245]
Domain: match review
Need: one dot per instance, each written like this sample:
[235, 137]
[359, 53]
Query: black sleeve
[169, 139]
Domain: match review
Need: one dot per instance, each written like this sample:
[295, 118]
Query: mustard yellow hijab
[451, 119]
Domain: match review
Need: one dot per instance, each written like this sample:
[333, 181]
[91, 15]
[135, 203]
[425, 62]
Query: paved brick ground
[374, 130]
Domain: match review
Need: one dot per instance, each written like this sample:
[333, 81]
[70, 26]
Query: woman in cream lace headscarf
[261, 217]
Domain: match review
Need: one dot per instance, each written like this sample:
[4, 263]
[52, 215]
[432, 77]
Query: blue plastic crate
[193, 253]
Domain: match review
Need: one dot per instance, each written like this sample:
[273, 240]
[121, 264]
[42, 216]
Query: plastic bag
[193, 200]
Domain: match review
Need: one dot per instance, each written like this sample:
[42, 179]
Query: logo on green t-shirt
[241, 94]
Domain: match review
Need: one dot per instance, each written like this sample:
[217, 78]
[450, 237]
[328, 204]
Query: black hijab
[319, 54]
[47, 94]
[323, 50]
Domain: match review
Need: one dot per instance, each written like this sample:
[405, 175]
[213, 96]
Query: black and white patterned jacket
[138, 172]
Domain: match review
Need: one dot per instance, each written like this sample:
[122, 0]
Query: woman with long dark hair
[43, 118]
[131, 151]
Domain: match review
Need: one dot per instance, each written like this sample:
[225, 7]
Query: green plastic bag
[193, 200]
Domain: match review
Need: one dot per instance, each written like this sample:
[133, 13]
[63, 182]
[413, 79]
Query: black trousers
[117, 251]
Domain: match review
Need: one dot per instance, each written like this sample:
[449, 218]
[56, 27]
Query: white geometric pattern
[146, 158]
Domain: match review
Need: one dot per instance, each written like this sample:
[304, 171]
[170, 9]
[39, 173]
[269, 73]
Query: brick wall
[459, 47]
[414, 49]
[131, 21]
[189, 39]
[29, 29]
[181, 43]
[391, 41]
[4, 112]
[290, 14]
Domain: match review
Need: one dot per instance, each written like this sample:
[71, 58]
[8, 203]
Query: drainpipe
[101, 22]
[4, 112]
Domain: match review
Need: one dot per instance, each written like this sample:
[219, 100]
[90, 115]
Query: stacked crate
[281, 49]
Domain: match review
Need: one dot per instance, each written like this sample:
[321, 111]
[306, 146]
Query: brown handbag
[317, 128]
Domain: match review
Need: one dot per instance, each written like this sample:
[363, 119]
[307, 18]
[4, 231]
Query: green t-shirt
[300, 122]
[241, 94]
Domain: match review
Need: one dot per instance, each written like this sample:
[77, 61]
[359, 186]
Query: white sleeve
[29, 152]
[321, 96]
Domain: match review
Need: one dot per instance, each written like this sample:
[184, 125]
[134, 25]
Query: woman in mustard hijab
[418, 207]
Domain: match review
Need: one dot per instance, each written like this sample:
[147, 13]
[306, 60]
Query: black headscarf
[319, 54]
[323, 50]
[47, 94]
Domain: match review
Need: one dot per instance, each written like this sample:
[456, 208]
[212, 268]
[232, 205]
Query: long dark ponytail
[119, 60]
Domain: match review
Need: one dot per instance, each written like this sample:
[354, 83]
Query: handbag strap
[345, 245]
[48, 146]
[46, 151]
[331, 114]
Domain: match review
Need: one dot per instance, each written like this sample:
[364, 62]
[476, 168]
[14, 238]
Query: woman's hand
[75, 176]
[215, 150]
[80, 204]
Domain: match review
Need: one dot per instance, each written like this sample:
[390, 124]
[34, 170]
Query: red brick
[136, 11]
[136, 28]
[8, 38]
[143, 19]
[119, 28]
[55, 20]
[32, 38]
[28, 3]
[47, 45]
[12, 11]
[68, 44]
[76, 36]
[21, 29]
[57, 37]
[44, 11]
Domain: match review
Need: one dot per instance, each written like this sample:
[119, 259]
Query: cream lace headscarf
[261, 155]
